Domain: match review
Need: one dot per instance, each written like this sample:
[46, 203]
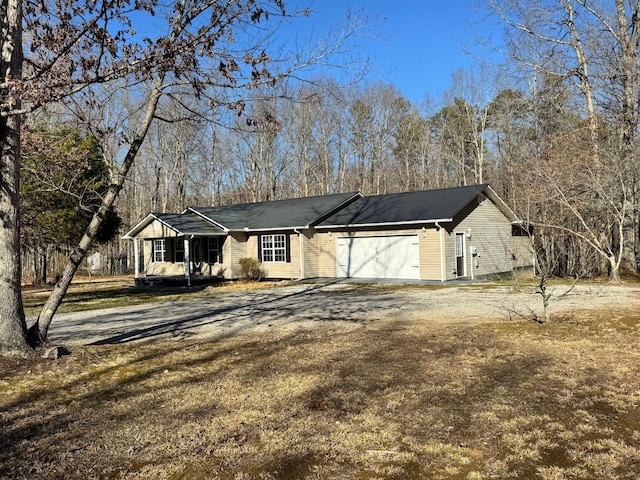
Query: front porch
[177, 280]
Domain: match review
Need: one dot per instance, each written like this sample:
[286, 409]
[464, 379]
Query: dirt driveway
[338, 305]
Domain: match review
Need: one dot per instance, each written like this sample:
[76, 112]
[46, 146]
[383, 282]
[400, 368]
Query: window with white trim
[159, 250]
[274, 248]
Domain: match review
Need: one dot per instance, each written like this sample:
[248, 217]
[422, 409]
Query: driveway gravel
[340, 305]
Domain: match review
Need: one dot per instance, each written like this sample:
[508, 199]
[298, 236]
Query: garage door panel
[395, 256]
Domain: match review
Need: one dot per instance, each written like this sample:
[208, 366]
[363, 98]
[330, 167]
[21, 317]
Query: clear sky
[419, 43]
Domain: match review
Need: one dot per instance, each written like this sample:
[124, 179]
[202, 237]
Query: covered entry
[395, 256]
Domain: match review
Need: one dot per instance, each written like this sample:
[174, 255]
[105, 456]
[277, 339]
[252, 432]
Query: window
[178, 250]
[213, 247]
[273, 248]
[159, 250]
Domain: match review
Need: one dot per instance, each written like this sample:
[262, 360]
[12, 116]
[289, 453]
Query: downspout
[442, 253]
[301, 252]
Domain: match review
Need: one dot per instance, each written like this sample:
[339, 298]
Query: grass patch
[388, 400]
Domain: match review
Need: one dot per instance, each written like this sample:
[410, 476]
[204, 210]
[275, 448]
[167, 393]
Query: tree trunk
[12, 320]
[39, 331]
[614, 270]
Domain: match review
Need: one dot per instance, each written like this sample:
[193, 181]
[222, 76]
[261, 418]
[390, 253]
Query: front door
[460, 263]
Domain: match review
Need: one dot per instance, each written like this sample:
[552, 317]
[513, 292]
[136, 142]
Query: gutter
[385, 224]
[275, 229]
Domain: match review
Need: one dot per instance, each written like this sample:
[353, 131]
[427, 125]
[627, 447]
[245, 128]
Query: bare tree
[594, 45]
[209, 47]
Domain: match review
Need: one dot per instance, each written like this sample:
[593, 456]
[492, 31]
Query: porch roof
[184, 224]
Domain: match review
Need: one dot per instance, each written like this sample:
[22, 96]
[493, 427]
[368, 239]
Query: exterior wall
[311, 266]
[159, 268]
[428, 244]
[156, 230]
[276, 269]
[172, 268]
[490, 235]
[235, 248]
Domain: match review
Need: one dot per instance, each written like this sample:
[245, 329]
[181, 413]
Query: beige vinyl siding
[311, 257]
[326, 254]
[490, 234]
[156, 229]
[277, 269]
[160, 268]
[430, 254]
[235, 248]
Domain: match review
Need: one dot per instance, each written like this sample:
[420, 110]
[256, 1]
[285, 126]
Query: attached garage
[390, 256]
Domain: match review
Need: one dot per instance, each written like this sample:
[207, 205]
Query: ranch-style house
[445, 234]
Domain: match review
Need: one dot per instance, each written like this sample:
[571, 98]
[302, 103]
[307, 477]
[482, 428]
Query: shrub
[250, 269]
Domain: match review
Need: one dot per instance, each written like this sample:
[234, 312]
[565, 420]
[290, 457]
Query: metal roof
[278, 214]
[410, 207]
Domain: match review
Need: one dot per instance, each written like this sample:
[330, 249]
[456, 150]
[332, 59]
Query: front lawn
[380, 400]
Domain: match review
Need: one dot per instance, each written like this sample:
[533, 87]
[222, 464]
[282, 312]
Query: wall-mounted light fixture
[329, 236]
[469, 232]
[424, 232]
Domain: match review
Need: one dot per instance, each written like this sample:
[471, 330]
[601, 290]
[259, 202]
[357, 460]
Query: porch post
[136, 258]
[187, 261]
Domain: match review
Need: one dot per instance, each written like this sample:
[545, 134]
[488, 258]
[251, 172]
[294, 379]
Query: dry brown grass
[403, 399]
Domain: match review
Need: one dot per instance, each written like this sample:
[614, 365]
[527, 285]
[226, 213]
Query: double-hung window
[274, 247]
[159, 250]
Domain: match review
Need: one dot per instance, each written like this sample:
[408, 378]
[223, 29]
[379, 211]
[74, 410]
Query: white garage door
[394, 256]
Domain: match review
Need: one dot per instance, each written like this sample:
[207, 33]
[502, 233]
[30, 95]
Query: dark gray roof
[278, 214]
[182, 223]
[188, 224]
[427, 205]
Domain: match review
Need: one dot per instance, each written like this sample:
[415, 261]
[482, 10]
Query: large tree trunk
[12, 320]
[39, 331]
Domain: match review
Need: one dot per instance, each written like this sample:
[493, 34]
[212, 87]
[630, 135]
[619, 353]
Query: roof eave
[493, 196]
[271, 229]
[385, 224]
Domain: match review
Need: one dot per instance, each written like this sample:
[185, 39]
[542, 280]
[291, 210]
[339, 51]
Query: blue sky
[420, 42]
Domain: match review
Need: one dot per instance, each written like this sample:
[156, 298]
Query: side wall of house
[490, 234]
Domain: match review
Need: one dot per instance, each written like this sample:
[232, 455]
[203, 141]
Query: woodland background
[553, 130]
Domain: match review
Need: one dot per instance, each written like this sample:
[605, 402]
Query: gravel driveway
[341, 305]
